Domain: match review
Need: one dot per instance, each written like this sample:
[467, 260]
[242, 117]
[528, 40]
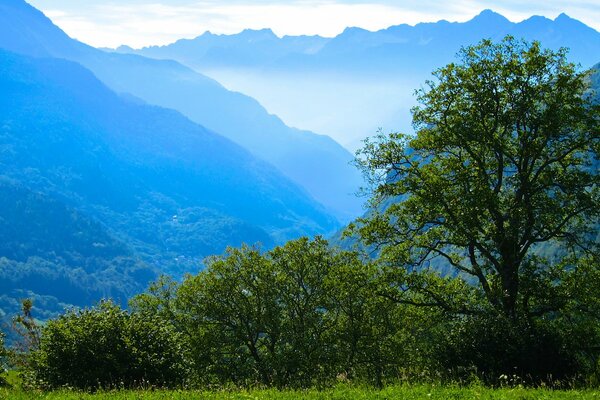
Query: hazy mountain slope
[359, 81]
[314, 161]
[114, 153]
[23, 29]
[98, 194]
[298, 154]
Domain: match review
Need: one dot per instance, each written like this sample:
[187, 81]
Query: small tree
[375, 339]
[27, 335]
[230, 315]
[3, 360]
[504, 162]
[261, 317]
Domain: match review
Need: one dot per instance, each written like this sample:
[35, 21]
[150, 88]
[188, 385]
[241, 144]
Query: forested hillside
[595, 82]
[57, 256]
[315, 162]
[131, 190]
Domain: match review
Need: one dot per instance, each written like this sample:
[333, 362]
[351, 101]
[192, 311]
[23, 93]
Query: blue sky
[144, 22]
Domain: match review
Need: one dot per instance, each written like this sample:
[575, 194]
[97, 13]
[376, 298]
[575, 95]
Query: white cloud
[160, 22]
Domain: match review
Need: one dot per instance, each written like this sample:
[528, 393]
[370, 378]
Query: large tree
[503, 167]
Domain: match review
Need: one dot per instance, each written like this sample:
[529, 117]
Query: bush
[502, 351]
[106, 347]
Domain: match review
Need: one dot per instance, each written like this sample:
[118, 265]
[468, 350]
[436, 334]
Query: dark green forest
[477, 263]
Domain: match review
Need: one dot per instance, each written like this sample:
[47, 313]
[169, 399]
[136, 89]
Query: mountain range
[427, 45]
[315, 162]
[350, 85]
[104, 193]
[100, 192]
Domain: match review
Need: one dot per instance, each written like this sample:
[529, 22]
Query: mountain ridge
[360, 80]
[100, 193]
[171, 85]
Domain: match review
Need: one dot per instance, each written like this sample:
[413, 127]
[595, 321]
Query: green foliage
[261, 318]
[298, 315]
[378, 339]
[58, 256]
[106, 347]
[304, 315]
[579, 322]
[3, 360]
[500, 183]
[498, 350]
[498, 166]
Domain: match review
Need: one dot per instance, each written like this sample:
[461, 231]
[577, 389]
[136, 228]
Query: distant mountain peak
[353, 30]
[124, 49]
[487, 16]
[487, 13]
[265, 33]
[538, 22]
[563, 17]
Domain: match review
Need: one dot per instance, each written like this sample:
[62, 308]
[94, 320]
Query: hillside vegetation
[101, 193]
[315, 162]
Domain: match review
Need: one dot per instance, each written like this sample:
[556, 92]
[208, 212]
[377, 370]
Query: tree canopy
[504, 162]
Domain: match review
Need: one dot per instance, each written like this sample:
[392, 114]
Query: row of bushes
[299, 315]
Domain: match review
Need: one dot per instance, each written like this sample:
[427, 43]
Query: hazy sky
[144, 22]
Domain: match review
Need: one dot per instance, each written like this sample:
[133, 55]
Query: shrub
[106, 347]
[501, 351]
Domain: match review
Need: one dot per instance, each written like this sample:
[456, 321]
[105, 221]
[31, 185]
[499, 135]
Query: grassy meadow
[407, 392]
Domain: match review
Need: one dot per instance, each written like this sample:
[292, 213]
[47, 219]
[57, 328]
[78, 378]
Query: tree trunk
[510, 289]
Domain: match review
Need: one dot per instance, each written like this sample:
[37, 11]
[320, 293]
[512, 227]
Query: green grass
[339, 393]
